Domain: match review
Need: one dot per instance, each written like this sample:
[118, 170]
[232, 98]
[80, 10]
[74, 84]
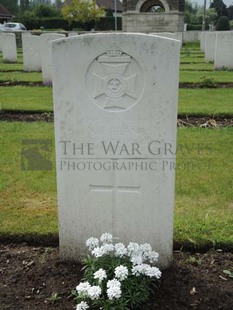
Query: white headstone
[31, 52]
[45, 54]
[1, 41]
[191, 36]
[210, 42]
[171, 35]
[224, 50]
[73, 34]
[9, 49]
[202, 41]
[115, 105]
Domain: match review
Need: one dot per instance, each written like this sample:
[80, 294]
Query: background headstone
[31, 52]
[191, 36]
[115, 105]
[210, 43]
[1, 41]
[45, 54]
[171, 35]
[202, 40]
[73, 34]
[9, 50]
[224, 50]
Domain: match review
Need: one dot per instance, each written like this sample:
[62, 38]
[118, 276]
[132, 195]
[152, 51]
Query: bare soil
[31, 276]
[182, 121]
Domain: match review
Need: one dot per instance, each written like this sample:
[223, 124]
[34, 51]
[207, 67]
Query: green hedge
[105, 23]
[108, 23]
[194, 27]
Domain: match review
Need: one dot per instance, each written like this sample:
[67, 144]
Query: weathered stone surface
[9, 50]
[153, 22]
[172, 35]
[202, 41]
[45, 54]
[210, 45]
[115, 127]
[31, 52]
[191, 36]
[224, 50]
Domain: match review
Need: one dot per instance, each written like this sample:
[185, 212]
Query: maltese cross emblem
[115, 79]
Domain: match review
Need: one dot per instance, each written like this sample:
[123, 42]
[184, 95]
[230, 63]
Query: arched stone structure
[143, 6]
[138, 17]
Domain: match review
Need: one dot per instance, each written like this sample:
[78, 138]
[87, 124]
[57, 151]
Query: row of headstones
[218, 47]
[184, 37]
[36, 52]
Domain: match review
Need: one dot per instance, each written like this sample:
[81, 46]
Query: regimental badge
[115, 80]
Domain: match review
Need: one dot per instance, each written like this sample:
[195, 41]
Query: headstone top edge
[114, 35]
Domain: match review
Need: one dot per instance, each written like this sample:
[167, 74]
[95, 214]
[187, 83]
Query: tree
[58, 4]
[220, 7]
[28, 19]
[109, 13]
[11, 5]
[24, 5]
[230, 12]
[211, 16]
[45, 10]
[223, 23]
[82, 11]
[37, 2]
[190, 12]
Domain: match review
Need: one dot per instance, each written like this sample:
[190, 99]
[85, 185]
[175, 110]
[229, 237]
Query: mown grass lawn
[191, 101]
[204, 182]
[18, 76]
[204, 185]
[4, 66]
[28, 198]
[26, 98]
[197, 76]
[206, 101]
[208, 66]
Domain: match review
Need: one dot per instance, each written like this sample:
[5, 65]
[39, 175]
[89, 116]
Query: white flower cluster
[100, 274]
[121, 272]
[92, 243]
[139, 256]
[147, 270]
[114, 289]
[86, 290]
[103, 250]
[82, 306]
[120, 250]
[106, 238]
[141, 253]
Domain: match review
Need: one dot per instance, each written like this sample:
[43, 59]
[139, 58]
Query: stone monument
[153, 16]
[45, 55]
[31, 52]
[115, 128]
[224, 50]
[9, 49]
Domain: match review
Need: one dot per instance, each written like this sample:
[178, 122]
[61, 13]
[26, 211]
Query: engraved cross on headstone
[115, 189]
